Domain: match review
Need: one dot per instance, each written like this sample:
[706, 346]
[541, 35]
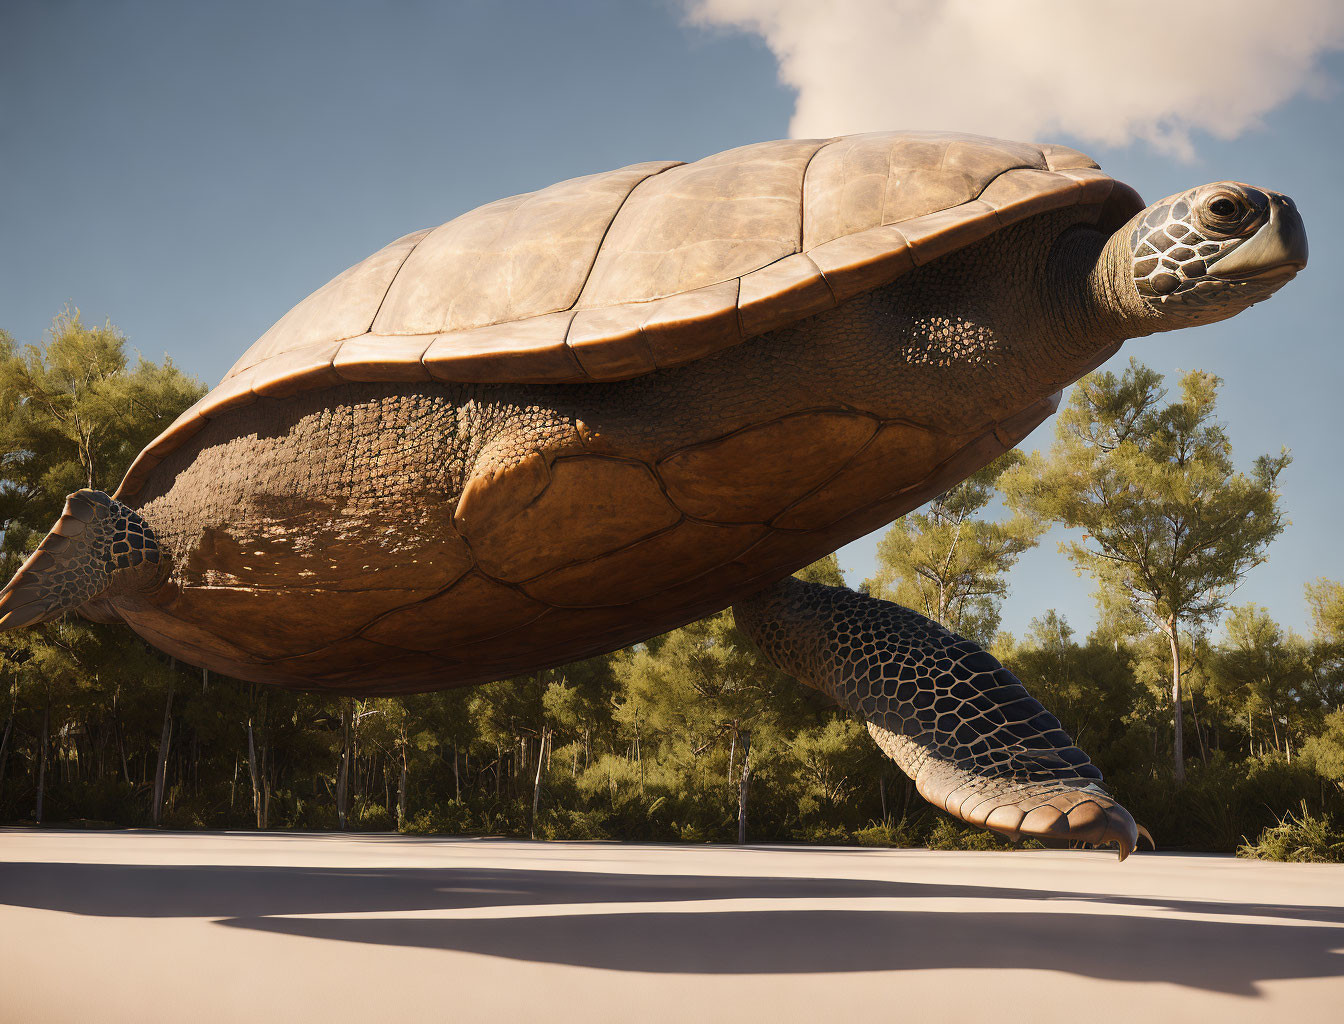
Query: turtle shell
[651, 266]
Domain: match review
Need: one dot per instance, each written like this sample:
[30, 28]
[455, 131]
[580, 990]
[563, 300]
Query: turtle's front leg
[954, 719]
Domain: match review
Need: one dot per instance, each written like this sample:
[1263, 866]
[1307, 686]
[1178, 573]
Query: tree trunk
[536, 783]
[882, 791]
[165, 738]
[352, 773]
[343, 772]
[267, 768]
[457, 779]
[196, 742]
[401, 785]
[1178, 723]
[42, 763]
[639, 759]
[732, 753]
[1199, 732]
[9, 728]
[743, 789]
[401, 795]
[121, 737]
[254, 770]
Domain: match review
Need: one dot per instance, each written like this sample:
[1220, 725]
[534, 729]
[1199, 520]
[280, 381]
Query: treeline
[693, 736]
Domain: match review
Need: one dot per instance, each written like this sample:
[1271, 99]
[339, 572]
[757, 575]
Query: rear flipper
[99, 548]
[954, 719]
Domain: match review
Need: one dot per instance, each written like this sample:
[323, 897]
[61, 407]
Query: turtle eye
[1224, 214]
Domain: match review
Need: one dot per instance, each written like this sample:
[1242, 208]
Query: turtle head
[1207, 253]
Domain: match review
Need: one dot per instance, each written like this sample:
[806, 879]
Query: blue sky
[192, 171]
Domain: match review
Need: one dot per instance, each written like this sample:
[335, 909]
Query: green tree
[950, 563]
[703, 687]
[1261, 670]
[1087, 686]
[78, 404]
[823, 570]
[1324, 752]
[1170, 527]
[830, 762]
[1325, 598]
[74, 413]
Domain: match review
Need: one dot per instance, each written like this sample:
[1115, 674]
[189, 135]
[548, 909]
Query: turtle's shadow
[1216, 956]
[1220, 955]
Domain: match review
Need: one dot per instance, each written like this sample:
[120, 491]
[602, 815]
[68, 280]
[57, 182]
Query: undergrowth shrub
[561, 823]
[1302, 837]
[886, 833]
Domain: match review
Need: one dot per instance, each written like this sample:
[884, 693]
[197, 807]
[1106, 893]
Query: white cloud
[1107, 71]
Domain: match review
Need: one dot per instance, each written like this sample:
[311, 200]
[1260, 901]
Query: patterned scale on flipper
[963, 727]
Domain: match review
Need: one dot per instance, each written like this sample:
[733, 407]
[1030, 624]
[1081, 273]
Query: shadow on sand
[1220, 955]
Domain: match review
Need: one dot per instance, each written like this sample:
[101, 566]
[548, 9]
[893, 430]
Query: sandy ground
[135, 926]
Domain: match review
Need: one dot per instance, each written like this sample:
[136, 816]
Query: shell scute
[515, 258]
[753, 474]
[532, 349]
[618, 501]
[646, 568]
[609, 343]
[688, 325]
[473, 608]
[853, 264]
[917, 450]
[782, 293]
[379, 357]
[703, 223]
[344, 307]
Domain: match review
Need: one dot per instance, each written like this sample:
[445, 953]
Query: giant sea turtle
[572, 419]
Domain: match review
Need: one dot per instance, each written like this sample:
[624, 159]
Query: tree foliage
[74, 413]
[1170, 526]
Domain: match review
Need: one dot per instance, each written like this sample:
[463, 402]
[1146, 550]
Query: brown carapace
[573, 419]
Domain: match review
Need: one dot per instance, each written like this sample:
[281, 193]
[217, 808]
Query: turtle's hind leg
[99, 547]
[956, 721]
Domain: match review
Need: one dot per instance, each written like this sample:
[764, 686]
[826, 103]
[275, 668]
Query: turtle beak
[1278, 248]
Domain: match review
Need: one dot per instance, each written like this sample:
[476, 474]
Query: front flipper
[954, 719]
[99, 548]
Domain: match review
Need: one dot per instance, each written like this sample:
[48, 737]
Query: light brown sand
[135, 926]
